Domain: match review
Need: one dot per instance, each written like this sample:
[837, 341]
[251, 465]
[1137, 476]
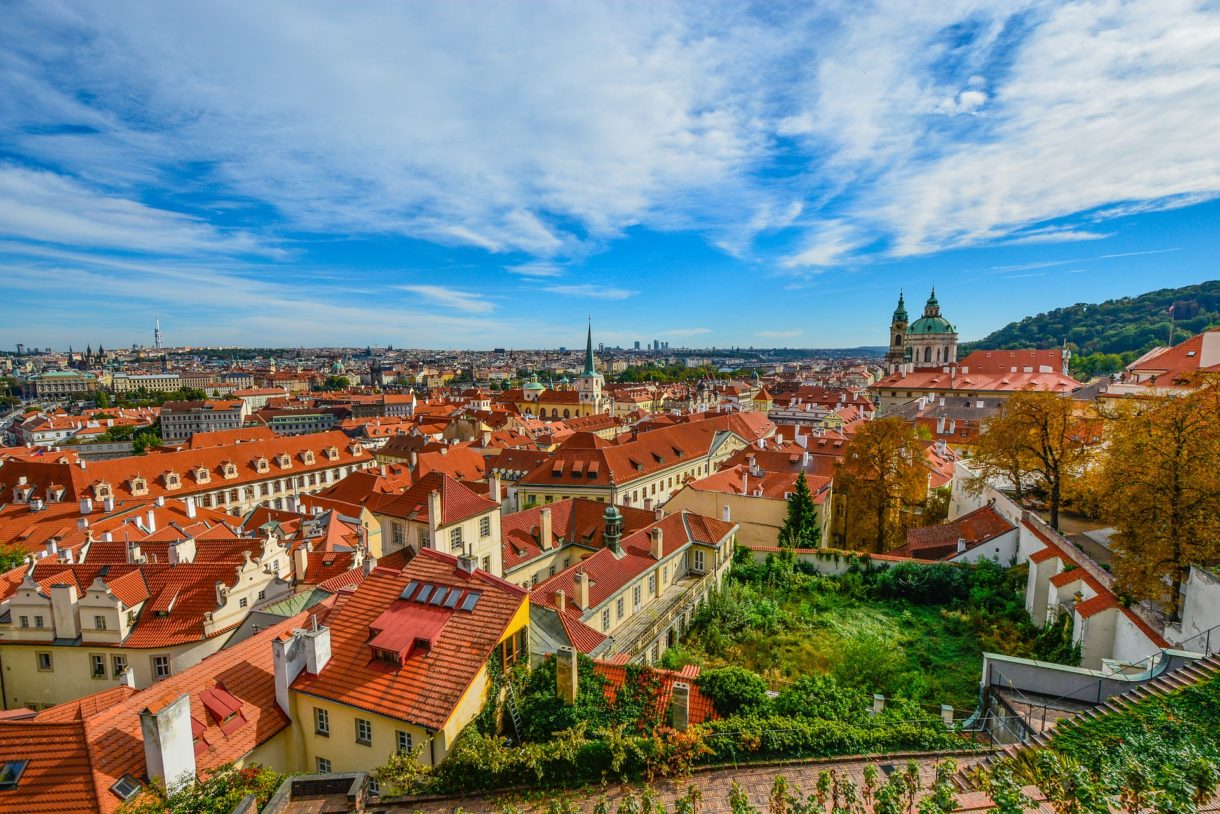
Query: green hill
[1106, 336]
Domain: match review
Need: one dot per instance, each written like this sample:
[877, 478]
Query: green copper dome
[931, 325]
[534, 384]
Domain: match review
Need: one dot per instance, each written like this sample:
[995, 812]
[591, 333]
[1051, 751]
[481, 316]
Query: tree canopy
[882, 480]
[1161, 481]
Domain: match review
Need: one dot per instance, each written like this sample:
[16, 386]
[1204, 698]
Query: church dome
[534, 384]
[931, 325]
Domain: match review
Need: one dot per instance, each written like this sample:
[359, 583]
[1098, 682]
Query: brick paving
[714, 783]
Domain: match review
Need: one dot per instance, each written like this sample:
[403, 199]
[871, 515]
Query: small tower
[898, 331]
[613, 533]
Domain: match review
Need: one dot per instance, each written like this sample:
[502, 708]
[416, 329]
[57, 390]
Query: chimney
[82, 523]
[128, 677]
[150, 521]
[434, 514]
[961, 544]
[64, 611]
[946, 715]
[412, 460]
[493, 487]
[86, 506]
[181, 551]
[169, 747]
[726, 513]
[1209, 350]
[108, 505]
[317, 646]
[52, 548]
[658, 537]
[566, 678]
[878, 704]
[82, 463]
[582, 589]
[545, 530]
[190, 506]
[300, 561]
[679, 706]
[160, 501]
[467, 563]
[561, 600]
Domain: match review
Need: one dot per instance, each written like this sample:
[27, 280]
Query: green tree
[801, 528]
[102, 399]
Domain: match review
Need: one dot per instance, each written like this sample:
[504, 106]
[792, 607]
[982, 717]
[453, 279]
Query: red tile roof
[701, 707]
[426, 688]
[78, 750]
[940, 542]
[458, 501]
[573, 520]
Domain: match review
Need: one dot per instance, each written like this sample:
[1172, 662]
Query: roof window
[125, 787]
[10, 774]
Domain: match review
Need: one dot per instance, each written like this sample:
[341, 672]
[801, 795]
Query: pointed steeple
[589, 371]
[932, 309]
[900, 313]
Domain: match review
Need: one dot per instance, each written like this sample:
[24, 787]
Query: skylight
[471, 600]
[125, 787]
[10, 773]
[424, 593]
[407, 591]
[452, 600]
[439, 596]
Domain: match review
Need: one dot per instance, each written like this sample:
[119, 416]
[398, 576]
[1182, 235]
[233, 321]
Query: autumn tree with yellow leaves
[1038, 442]
[1160, 481]
[880, 482]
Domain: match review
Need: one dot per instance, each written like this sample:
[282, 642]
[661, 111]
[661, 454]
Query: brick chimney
[493, 487]
[545, 530]
[566, 676]
[169, 748]
[64, 611]
[658, 539]
[582, 589]
[434, 514]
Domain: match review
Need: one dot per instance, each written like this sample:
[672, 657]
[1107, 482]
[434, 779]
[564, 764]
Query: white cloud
[47, 207]
[451, 298]
[1065, 234]
[536, 270]
[830, 244]
[590, 290]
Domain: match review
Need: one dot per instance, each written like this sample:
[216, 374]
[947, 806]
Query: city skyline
[764, 177]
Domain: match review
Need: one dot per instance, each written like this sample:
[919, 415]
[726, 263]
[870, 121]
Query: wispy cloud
[451, 298]
[536, 270]
[590, 290]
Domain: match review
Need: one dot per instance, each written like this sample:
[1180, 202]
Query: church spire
[589, 371]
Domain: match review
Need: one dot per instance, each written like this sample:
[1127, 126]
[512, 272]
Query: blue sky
[488, 174]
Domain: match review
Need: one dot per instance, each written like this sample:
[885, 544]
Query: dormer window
[332, 453]
[262, 465]
[283, 461]
[172, 480]
[230, 470]
[139, 486]
[307, 457]
[202, 475]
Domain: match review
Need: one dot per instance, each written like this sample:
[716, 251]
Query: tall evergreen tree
[801, 528]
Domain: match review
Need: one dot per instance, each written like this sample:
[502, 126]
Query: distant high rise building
[637, 344]
[157, 335]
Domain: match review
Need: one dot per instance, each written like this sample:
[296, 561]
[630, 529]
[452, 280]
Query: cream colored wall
[760, 518]
[477, 546]
[71, 676]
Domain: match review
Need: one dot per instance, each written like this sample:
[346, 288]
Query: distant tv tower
[157, 335]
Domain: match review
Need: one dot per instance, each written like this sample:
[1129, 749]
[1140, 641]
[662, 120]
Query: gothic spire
[589, 371]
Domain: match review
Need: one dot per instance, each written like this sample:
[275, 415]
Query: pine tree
[801, 528]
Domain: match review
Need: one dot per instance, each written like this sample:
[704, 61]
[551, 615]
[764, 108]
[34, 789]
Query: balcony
[644, 627]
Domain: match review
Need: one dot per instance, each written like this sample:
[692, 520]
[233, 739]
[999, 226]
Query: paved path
[715, 784]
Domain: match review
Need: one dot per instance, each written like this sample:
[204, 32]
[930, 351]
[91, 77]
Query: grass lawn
[847, 627]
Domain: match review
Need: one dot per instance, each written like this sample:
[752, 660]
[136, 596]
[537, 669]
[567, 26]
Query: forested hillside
[1106, 336]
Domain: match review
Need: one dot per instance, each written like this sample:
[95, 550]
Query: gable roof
[458, 501]
[426, 688]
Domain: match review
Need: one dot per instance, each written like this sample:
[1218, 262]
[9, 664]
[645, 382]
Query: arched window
[567, 414]
[927, 354]
[897, 340]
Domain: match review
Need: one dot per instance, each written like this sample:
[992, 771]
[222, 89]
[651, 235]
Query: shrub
[733, 690]
[869, 662]
[821, 697]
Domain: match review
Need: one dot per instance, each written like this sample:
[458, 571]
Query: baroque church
[928, 342]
